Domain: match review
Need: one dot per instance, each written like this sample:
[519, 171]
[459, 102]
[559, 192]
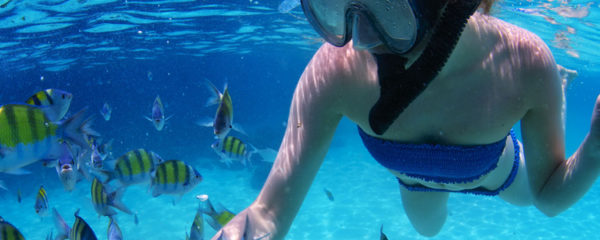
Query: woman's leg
[426, 211]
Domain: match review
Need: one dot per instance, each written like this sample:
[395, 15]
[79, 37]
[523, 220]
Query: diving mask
[399, 24]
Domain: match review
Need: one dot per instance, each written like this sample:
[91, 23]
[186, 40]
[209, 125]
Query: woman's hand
[247, 225]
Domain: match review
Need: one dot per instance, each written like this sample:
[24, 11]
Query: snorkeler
[435, 88]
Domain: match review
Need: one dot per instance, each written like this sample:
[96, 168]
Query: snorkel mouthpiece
[400, 86]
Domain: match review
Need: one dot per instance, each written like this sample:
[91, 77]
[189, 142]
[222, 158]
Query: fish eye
[63, 96]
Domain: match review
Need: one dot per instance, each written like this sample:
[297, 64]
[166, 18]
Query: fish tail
[77, 129]
[206, 206]
[61, 225]
[216, 96]
[116, 201]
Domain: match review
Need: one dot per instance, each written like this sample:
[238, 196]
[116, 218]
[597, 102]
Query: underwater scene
[128, 92]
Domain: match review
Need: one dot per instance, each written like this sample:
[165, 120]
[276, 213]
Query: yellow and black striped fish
[217, 219]
[232, 149]
[8, 231]
[223, 121]
[174, 177]
[28, 135]
[58, 101]
[102, 199]
[134, 167]
[41, 202]
[80, 230]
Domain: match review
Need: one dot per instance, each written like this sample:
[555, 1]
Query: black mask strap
[400, 86]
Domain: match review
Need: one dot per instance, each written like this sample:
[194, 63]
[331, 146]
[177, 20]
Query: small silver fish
[158, 114]
[329, 194]
[67, 167]
[96, 159]
[106, 111]
[41, 202]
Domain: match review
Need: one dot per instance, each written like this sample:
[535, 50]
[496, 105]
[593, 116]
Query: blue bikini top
[435, 162]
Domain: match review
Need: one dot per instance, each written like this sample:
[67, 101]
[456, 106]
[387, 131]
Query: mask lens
[393, 19]
[328, 18]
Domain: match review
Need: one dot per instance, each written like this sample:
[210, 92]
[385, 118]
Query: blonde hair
[486, 6]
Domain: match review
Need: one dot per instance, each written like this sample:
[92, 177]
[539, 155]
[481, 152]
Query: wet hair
[486, 6]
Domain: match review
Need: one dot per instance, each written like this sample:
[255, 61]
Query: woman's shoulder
[521, 44]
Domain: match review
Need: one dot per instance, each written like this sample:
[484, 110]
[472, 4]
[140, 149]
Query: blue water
[126, 53]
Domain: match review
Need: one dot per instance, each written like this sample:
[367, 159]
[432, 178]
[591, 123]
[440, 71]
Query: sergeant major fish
[174, 177]
[232, 149]
[103, 199]
[134, 167]
[8, 231]
[158, 114]
[217, 219]
[80, 230]
[41, 202]
[222, 123]
[58, 102]
[27, 135]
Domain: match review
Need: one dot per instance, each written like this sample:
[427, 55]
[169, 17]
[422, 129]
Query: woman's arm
[556, 183]
[313, 118]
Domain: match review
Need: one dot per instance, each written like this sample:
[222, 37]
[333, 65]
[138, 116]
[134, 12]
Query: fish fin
[237, 127]
[5, 150]
[50, 113]
[18, 171]
[49, 162]
[3, 185]
[147, 118]
[216, 94]
[177, 199]
[382, 235]
[102, 175]
[155, 193]
[169, 117]
[61, 225]
[50, 236]
[77, 129]
[206, 206]
[212, 223]
[116, 201]
[205, 122]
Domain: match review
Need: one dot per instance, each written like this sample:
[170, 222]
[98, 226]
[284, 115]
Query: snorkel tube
[400, 86]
